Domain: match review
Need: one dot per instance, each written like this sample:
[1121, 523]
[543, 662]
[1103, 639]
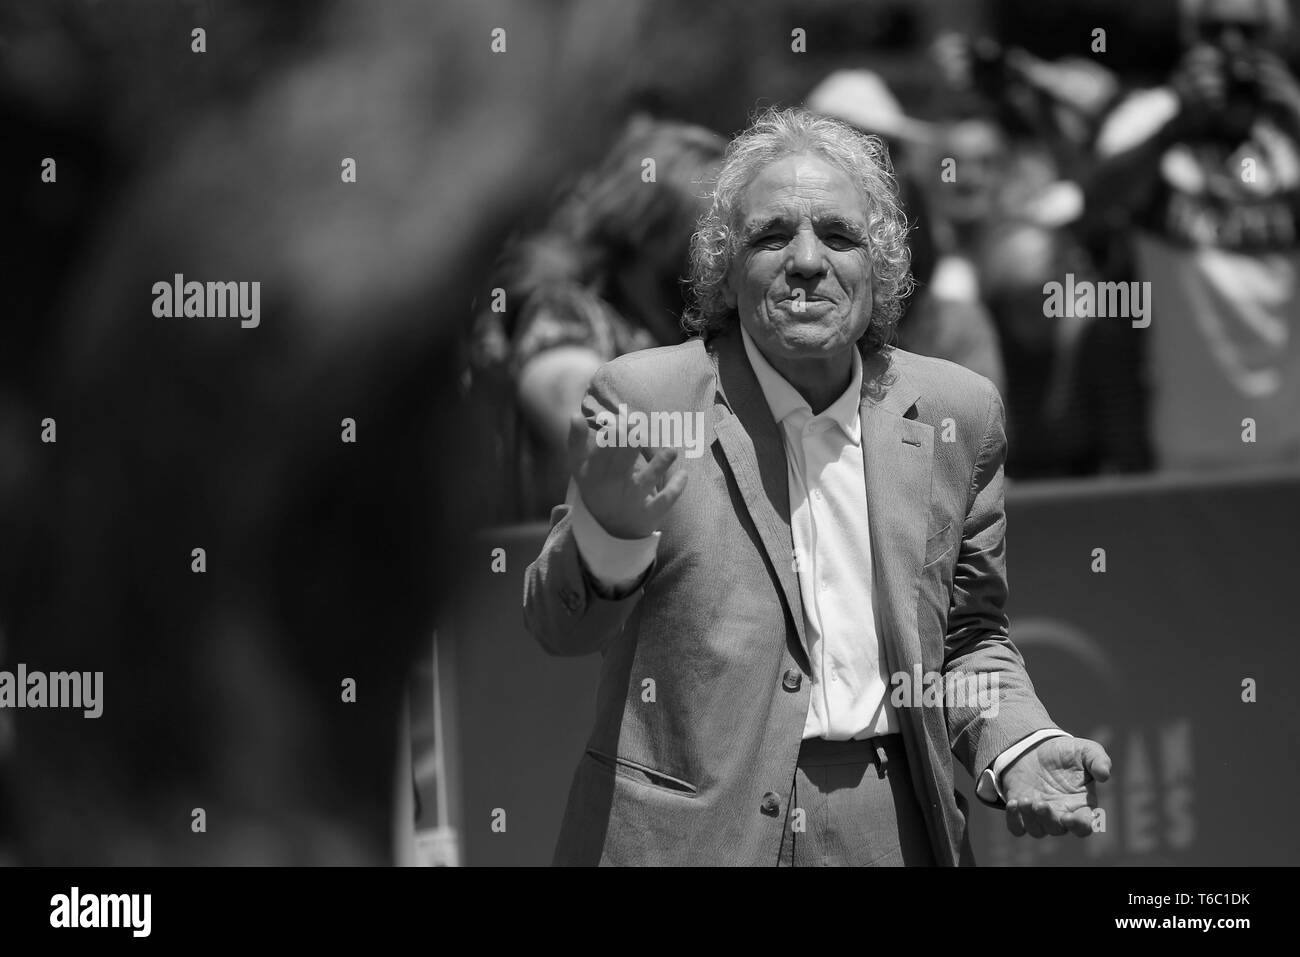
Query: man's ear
[728, 291]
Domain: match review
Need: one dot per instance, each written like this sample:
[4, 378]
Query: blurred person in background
[1073, 391]
[1049, 108]
[600, 280]
[1011, 218]
[965, 174]
[1034, 120]
[1206, 170]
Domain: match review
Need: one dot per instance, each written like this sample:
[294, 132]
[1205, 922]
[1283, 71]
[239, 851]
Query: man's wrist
[615, 566]
[989, 786]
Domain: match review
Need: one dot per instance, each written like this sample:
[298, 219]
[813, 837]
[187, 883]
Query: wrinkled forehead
[801, 184]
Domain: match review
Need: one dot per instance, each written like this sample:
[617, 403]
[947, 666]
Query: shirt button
[817, 494]
[834, 676]
[771, 805]
[791, 680]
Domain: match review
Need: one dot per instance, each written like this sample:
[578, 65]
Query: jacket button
[771, 804]
[572, 600]
[791, 680]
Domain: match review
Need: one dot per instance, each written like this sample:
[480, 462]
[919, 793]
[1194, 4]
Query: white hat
[860, 98]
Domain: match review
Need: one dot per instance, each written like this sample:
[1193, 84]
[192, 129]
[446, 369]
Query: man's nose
[807, 256]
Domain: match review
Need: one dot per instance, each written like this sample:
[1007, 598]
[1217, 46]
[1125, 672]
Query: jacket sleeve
[977, 645]
[564, 608]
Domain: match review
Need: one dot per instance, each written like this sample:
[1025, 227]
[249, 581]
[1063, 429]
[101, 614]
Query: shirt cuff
[989, 787]
[615, 564]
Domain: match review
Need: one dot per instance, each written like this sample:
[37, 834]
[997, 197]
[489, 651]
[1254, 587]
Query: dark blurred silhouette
[325, 560]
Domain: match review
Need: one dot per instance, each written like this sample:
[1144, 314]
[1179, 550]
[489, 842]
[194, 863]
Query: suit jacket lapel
[898, 455]
[752, 444]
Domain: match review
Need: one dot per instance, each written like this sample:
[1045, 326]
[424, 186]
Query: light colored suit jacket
[718, 625]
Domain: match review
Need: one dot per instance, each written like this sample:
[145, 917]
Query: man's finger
[1049, 817]
[662, 501]
[1094, 759]
[1014, 824]
[1078, 821]
[1022, 820]
[650, 476]
[1033, 826]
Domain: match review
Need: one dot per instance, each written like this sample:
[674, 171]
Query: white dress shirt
[832, 552]
[832, 556]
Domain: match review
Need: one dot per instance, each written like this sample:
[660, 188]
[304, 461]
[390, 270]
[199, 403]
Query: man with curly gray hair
[786, 539]
[721, 237]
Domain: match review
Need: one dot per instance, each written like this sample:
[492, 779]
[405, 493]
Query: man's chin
[812, 348]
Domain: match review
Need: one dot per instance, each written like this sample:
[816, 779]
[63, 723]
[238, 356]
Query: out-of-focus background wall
[498, 243]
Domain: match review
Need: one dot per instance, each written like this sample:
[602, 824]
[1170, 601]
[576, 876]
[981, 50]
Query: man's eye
[840, 241]
[770, 241]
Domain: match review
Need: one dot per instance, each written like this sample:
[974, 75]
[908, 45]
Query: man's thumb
[1095, 759]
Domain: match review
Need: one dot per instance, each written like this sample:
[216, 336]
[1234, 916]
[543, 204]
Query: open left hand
[1050, 788]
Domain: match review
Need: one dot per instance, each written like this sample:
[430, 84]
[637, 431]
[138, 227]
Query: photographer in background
[1206, 173]
[1020, 129]
[1050, 109]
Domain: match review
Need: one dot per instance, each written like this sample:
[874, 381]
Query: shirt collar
[784, 399]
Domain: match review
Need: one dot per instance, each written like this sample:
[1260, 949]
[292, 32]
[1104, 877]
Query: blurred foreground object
[224, 691]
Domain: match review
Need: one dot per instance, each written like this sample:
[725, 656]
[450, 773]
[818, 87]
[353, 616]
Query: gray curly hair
[775, 134]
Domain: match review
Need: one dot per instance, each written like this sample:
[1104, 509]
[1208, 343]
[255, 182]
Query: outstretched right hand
[624, 488]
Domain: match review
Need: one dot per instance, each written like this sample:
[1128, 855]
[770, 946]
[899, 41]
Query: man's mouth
[800, 304]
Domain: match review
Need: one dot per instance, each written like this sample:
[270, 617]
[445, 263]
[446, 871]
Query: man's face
[801, 281]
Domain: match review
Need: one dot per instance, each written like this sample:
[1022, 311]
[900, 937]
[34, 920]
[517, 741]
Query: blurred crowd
[1018, 171]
